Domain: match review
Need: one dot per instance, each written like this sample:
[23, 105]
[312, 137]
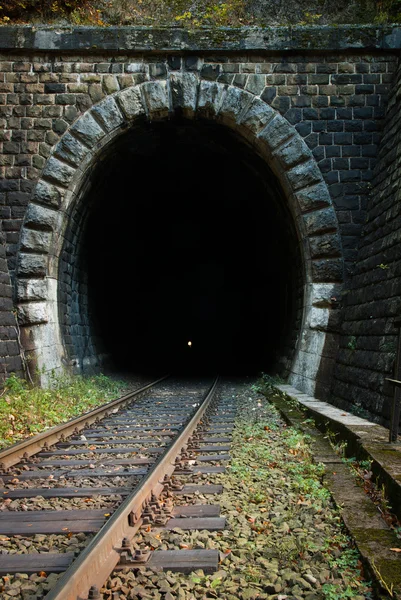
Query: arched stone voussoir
[327, 245]
[210, 98]
[256, 117]
[108, 114]
[292, 152]
[320, 221]
[34, 240]
[184, 92]
[276, 133]
[42, 218]
[48, 194]
[156, 97]
[131, 102]
[87, 129]
[71, 150]
[304, 174]
[33, 313]
[58, 172]
[313, 198]
[235, 103]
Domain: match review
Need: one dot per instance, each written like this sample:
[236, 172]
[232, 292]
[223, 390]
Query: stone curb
[70, 38]
[365, 440]
[371, 534]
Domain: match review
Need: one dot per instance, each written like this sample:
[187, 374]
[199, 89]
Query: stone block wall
[368, 341]
[10, 357]
[332, 88]
[335, 101]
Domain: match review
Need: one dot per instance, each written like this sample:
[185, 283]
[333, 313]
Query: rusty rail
[91, 569]
[22, 450]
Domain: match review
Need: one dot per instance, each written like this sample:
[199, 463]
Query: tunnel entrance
[181, 235]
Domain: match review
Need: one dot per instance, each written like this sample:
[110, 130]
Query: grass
[26, 410]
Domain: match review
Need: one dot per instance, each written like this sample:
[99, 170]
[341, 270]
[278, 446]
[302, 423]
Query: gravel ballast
[284, 537]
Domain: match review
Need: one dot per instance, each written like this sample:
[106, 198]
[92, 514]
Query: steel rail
[21, 450]
[100, 557]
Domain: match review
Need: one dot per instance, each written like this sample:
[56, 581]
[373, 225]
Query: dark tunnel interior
[187, 258]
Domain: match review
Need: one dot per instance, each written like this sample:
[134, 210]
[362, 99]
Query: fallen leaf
[396, 549]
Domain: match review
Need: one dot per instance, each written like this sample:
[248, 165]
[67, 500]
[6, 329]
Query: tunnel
[181, 254]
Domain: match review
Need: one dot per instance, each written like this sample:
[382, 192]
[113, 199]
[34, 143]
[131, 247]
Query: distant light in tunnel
[189, 343]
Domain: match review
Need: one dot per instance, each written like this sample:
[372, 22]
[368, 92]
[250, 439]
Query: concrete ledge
[176, 39]
[372, 536]
[365, 440]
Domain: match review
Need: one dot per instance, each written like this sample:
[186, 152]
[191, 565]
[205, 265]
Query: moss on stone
[198, 13]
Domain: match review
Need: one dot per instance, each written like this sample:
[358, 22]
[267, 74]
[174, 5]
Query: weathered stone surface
[327, 245]
[210, 97]
[303, 175]
[256, 84]
[88, 130]
[70, 149]
[141, 39]
[320, 221]
[110, 84]
[33, 313]
[276, 132]
[156, 98]
[46, 193]
[313, 197]
[31, 265]
[41, 218]
[184, 91]
[131, 102]
[108, 114]
[58, 171]
[257, 116]
[327, 270]
[32, 289]
[235, 102]
[293, 153]
[36, 241]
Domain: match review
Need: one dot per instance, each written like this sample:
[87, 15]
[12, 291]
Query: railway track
[122, 458]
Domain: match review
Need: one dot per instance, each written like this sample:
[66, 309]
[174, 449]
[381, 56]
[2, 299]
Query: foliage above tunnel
[198, 13]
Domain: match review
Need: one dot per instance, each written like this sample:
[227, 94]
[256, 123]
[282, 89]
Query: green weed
[27, 409]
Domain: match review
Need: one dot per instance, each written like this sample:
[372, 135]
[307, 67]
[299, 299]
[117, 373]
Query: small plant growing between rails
[27, 409]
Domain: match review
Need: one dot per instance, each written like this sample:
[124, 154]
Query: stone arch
[266, 130]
